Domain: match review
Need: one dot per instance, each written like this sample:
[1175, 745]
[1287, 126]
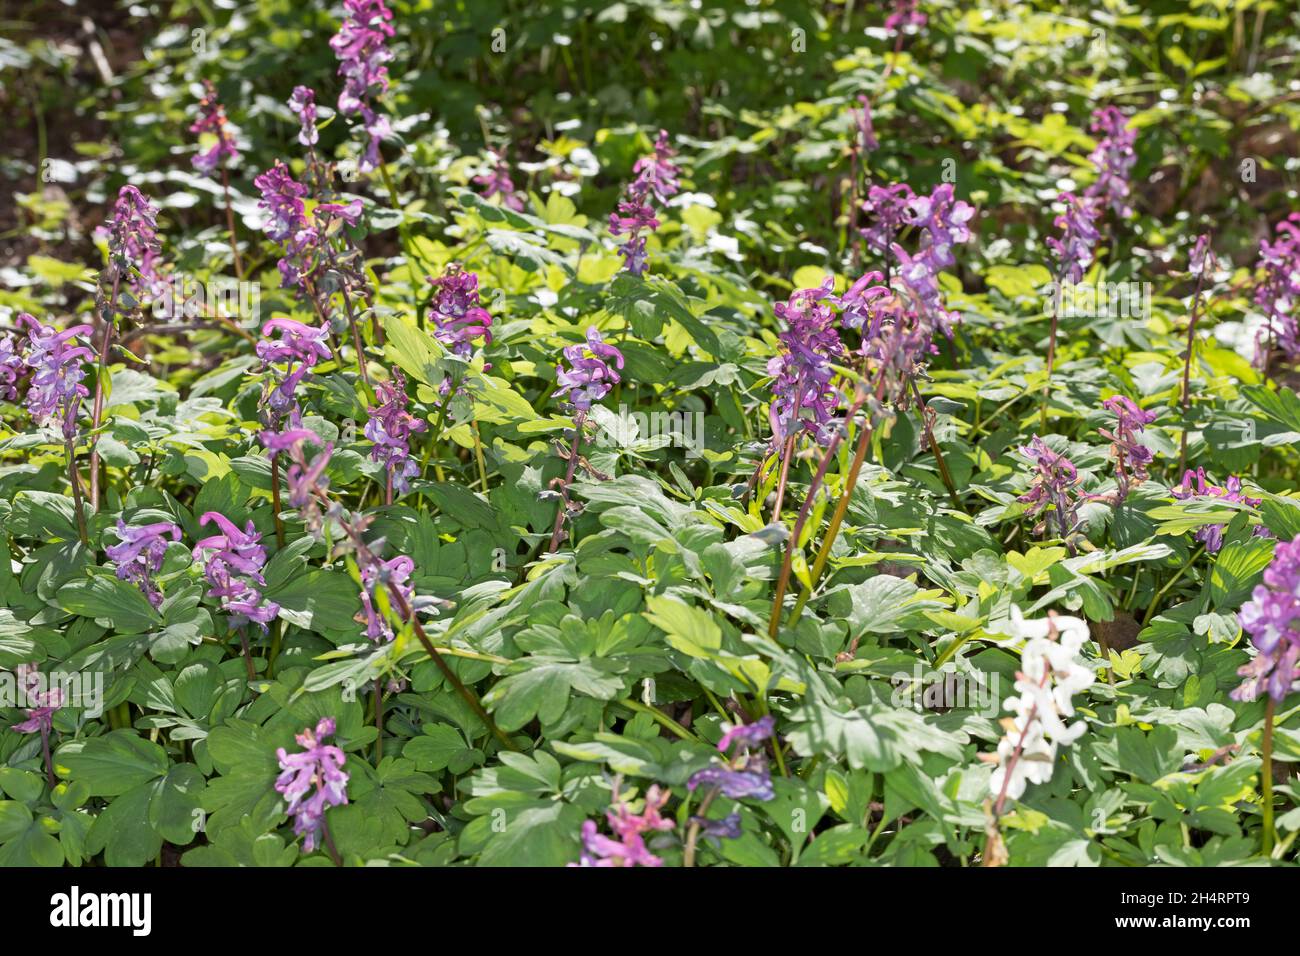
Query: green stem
[1266, 783]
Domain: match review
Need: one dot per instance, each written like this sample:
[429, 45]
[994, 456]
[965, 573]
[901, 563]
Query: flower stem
[108, 317]
[230, 225]
[275, 501]
[578, 422]
[1266, 781]
[75, 480]
[1187, 363]
[693, 834]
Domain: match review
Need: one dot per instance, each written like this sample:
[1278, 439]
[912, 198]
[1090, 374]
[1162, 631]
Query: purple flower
[918, 278]
[287, 223]
[360, 46]
[1277, 293]
[1078, 225]
[1272, 618]
[863, 305]
[214, 129]
[1114, 158]
[802, 394]
[41, 716]
[303, 105]
[11, 366]
[393, 573]
[748, 735]
[630, 828]
[944, 218]
[457, 317]
[655, 173]
[139, 554]
[312, 781]
[497, 182]
[300, 347]
[390, 427]
[655, 179]
[886, 209]
[1195, 485]
[56, 359]
[133, 244]
[752, 781]
[233, 568]
[1131, 456]
[1052, 486]
[724, 828]
[1202, 256]
[308, 484]
[590, 376]
[905, 15]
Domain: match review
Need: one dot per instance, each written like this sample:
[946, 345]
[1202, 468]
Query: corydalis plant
[497, 182]
[655, 179]
[1278, 291]
[134, 250]
[1051, 674]
[458, 319]
[298, 349]
[1272, 619]
[217, 141]
[802, 396]
[233, 562]
[305, 239]
[744, 774]
[312, 781]
[591, 371]
[1052, 489]
[390, 427]
[628, 845]
[57, 360]
[1131, 456]
[1113, 158]
[362, 51]
[139, 554]
[1195, 485]
[12, 367]
[40, 717]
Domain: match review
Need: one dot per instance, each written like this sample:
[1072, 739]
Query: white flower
[1051, 673]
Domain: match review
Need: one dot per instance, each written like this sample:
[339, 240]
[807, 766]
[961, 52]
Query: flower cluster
[591, 372]
[905, 15]
[139, 554]
[361, 48]
[56, 359]
[303, 105]
[1202, 256]
[305, 239]
[1279, 291]
[745, 773]
[1114, 158]
[300, 347]
[1078, 225]
[217, 142]
[1050, 675]
[312, 781]
[41, 716]
[886, 209]
[1052, 486]
[942, 219]
[307, 481]
[1131, 456]
[390, 427]
[457, 317]
[234, 569]
[11, 366]
[134, 249]
[802, 396]
[497, 182]
[655, 178]
[1195, 485]
[627, 847]
[1272, 619]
